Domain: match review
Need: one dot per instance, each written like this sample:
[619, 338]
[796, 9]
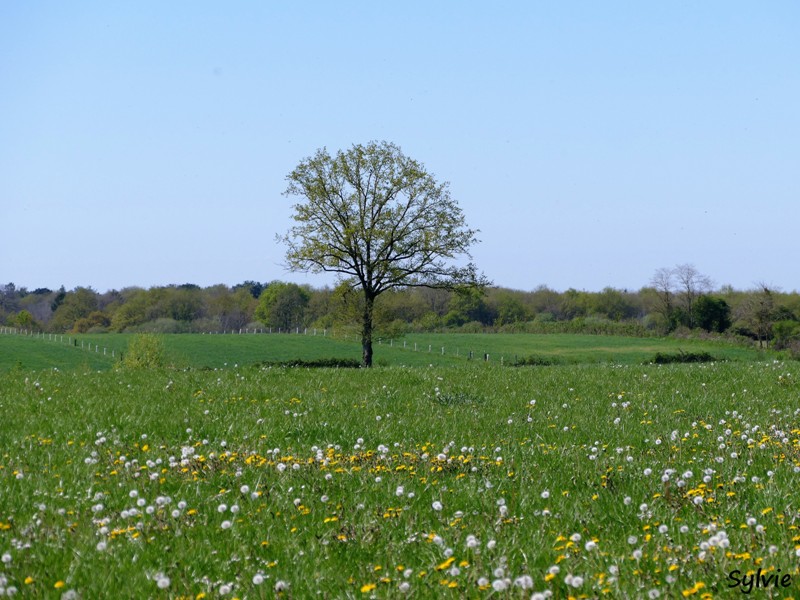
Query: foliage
[317, 363]
[145, 351]
[712, 314]
[786, 333]
[682, 357]
[536, 360]
[282, 306]
[378, 219]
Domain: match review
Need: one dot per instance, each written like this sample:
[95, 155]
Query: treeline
[677, 300]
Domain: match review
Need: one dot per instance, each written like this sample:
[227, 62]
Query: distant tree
[253, 287]
[467, 306]
[76, 304]
[785, 333]
[575, 304]
[712, 314]
[61, 294]
[677, 290]
[663, 283]
[508, 307]
[24, 320]
[184, 303]
[233, 309]
[545, 300]
[378, 219]
[691, 284]
[96, 320]
[758, 313]
[133, 310]
[613, 304]
[282, 305]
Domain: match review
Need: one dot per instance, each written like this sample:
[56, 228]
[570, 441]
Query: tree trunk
[366, 332]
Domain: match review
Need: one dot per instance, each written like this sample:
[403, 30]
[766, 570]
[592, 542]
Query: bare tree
[691, 284]
[664, 284]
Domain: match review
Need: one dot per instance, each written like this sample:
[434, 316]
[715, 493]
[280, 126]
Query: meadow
[618, 480]
[102, 351]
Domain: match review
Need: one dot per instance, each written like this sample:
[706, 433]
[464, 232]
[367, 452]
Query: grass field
[597, 480]
[220, 351]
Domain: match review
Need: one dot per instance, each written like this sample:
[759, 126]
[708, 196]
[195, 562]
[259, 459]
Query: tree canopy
[379, 220]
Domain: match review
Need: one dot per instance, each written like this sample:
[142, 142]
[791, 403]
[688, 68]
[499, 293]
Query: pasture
[445, 480]
[217, 351]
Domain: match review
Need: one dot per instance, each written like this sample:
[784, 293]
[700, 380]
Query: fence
[90, 346]
[59, 338]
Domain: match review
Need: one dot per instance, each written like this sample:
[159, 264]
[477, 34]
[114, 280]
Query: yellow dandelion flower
[367, 588]
[59, 584]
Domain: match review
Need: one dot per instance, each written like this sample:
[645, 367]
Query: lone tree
[379, 220]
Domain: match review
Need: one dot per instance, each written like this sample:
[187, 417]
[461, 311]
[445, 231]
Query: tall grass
[445, 481]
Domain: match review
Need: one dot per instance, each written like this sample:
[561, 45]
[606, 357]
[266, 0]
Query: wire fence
[92, 346]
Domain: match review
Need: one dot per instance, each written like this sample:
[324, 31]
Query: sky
[147, 143]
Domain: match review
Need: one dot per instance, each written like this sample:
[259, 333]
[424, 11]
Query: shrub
[318, 363]
[145, 351]
[536, 360]
[682, 357]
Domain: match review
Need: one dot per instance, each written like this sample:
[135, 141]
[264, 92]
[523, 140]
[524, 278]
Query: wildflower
[498, 585]
[162, 581]
[575, 581]
[6, 558]
[525, 582]
[281, 586]
[437, 506]
[258, 579]
[225, 589]
[226, 524]
[545, 494]
[404, 587]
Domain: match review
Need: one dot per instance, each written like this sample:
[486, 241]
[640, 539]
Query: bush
[682, 357]
[318, 363]
[145, 351]
[536, 360]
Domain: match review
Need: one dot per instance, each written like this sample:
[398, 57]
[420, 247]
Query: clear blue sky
[147, 143]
